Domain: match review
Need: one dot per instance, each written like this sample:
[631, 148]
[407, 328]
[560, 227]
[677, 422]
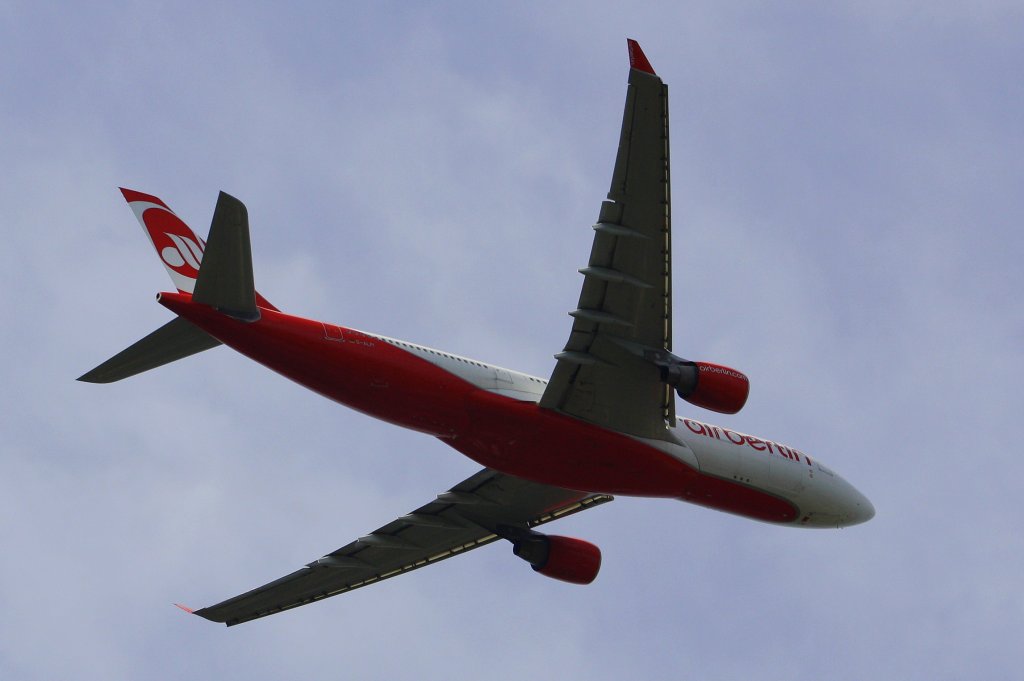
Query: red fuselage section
[382, 379]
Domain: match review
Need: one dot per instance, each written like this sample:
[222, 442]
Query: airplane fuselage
[491, 415]
[604, 423]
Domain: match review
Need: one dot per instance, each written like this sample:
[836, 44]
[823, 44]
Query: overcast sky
[847, 194]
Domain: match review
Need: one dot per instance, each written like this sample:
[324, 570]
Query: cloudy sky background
[847, 203]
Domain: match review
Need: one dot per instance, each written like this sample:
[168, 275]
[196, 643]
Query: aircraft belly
[523, 439]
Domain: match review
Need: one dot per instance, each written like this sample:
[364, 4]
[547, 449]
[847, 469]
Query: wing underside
[625, 306]
[462, 519]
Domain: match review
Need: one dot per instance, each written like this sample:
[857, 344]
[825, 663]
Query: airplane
[604, 423]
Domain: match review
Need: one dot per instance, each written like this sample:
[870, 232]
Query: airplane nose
[858, 508]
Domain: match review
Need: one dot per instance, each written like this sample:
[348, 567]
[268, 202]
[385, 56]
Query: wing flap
[459, 520]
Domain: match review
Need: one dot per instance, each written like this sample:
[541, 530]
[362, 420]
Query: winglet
[637, 58]
[185, 608]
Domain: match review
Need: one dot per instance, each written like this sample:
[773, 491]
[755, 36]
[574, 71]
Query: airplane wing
[462, 519]
[625, 306]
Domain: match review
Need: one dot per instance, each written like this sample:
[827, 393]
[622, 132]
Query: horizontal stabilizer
[225, 279]
[172, 341]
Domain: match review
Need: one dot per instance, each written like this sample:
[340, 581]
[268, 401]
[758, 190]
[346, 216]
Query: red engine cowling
[570, 560]
[717, 388]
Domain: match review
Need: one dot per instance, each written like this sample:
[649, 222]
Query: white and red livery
[604, 423]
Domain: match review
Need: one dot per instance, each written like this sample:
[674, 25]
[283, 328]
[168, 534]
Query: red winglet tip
[637, 58]
[185, 608]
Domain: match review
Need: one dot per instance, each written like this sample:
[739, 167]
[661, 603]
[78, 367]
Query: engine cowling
[565, 558]
[711, 386]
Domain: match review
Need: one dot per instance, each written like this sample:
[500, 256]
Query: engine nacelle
[711, 386]
[565, 558]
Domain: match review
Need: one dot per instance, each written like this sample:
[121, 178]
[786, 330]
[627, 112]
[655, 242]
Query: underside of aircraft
[603, 423]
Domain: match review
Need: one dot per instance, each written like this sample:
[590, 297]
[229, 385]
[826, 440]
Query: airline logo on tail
[182, 253]
[179, 248]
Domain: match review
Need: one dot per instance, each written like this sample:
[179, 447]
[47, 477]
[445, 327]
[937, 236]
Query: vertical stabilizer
[180, 250]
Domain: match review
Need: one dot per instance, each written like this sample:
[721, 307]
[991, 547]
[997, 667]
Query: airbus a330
[604, 423]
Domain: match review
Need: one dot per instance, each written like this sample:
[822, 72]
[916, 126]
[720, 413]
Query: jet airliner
[604, 423]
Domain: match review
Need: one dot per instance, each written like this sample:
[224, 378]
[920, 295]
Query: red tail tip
[637, 58]
[184, 607]
[130, 195]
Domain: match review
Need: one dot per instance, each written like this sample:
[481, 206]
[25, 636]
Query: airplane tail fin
[217, 273]
[180, 250]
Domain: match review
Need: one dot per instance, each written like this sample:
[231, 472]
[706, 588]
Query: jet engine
[711, 386]
[565, 558]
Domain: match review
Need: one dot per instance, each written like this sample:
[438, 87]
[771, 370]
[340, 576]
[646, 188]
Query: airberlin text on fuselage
[721, 370]
[739, 439]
